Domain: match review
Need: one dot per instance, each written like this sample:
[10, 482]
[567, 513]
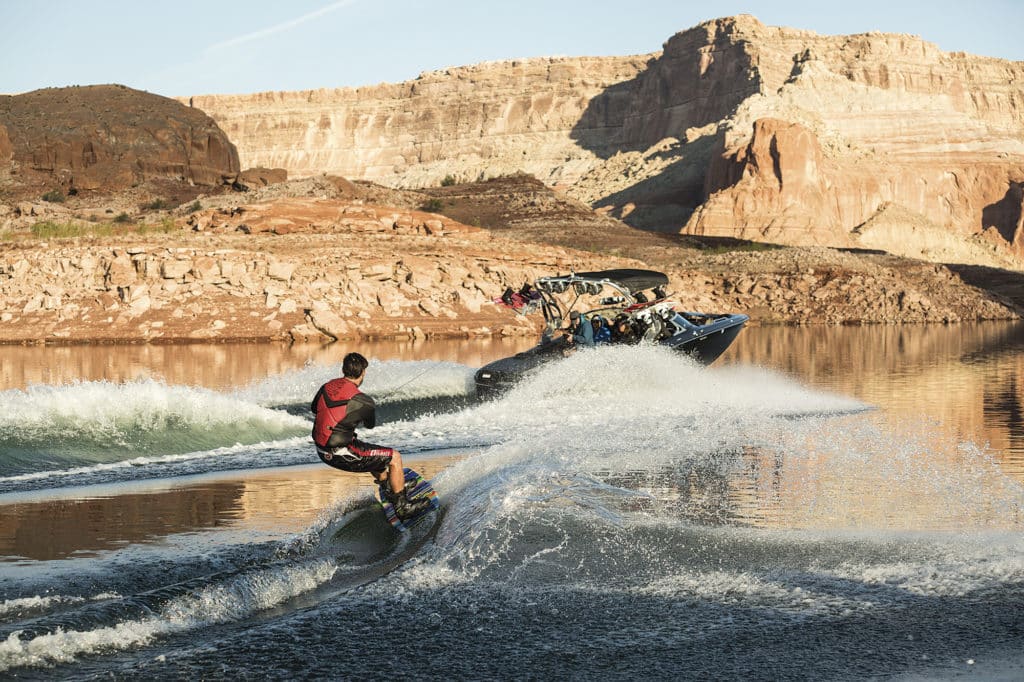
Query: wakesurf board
[416, 488]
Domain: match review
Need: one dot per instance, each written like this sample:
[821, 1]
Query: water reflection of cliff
[274, 501]
[220, 365]
[968, 378]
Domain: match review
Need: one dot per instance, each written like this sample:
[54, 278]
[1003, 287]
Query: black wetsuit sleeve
[316, 399]
[361, 409]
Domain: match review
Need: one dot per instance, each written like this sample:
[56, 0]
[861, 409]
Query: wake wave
[27, 605]
[347, 547]
[53, 427]
[595, 448]
[639, 481]
[274, 453]
[615, 397]
[643, 478]
[228, 601]
[669, 528]
[85, 430]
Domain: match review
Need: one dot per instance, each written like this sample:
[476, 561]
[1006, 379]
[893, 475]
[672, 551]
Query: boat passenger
[623, 330]
[602, 333]
[581, 333]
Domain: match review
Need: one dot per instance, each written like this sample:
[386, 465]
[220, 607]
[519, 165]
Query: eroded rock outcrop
[298, 269]
[310, 269]
[833, 128]
[109, 137]
[775, 188]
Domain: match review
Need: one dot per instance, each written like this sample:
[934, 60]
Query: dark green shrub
[54, 196]
[157, 205]
[432, 206]
[448, 181]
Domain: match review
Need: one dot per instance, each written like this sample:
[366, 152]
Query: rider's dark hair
[353, 365]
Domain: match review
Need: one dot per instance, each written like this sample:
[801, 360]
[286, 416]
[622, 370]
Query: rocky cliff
[107, 138]
[471, 122]
[844, 126]
[734, 129]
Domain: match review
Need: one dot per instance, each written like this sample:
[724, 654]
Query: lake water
[822, 503]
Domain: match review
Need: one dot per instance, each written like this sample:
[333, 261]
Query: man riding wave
[339, 407]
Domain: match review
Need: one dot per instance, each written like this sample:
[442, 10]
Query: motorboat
[632, 302]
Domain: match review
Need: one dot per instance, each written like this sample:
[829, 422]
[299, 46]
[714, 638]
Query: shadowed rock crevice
[600, 128]
[701, 77]
[1006, 214]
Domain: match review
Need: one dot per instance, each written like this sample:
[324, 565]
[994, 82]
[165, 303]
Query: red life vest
[331, 404]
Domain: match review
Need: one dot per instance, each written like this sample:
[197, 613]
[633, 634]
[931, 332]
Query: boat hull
[705, 344]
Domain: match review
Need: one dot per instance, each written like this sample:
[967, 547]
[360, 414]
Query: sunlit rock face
[734, 129]
[846, 128]
[469, 122]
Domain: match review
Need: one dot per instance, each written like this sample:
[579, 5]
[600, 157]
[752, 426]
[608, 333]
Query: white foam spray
[233, 600]
[117, 413]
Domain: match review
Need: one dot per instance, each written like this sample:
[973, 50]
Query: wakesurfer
[339, 407]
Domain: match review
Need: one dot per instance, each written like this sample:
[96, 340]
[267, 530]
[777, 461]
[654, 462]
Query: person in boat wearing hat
[581, 332]
[623, 330]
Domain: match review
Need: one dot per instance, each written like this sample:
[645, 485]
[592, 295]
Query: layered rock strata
[735, 129]
[325, 269]
[470, 122]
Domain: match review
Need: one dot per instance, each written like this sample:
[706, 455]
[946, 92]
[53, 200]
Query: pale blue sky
[187, 47]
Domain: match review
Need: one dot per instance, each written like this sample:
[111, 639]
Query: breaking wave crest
[55, 427]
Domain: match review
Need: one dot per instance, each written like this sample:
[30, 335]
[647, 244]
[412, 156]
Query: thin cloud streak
[278, 28]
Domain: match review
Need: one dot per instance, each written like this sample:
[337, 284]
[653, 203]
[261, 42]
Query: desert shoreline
[308, 269]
